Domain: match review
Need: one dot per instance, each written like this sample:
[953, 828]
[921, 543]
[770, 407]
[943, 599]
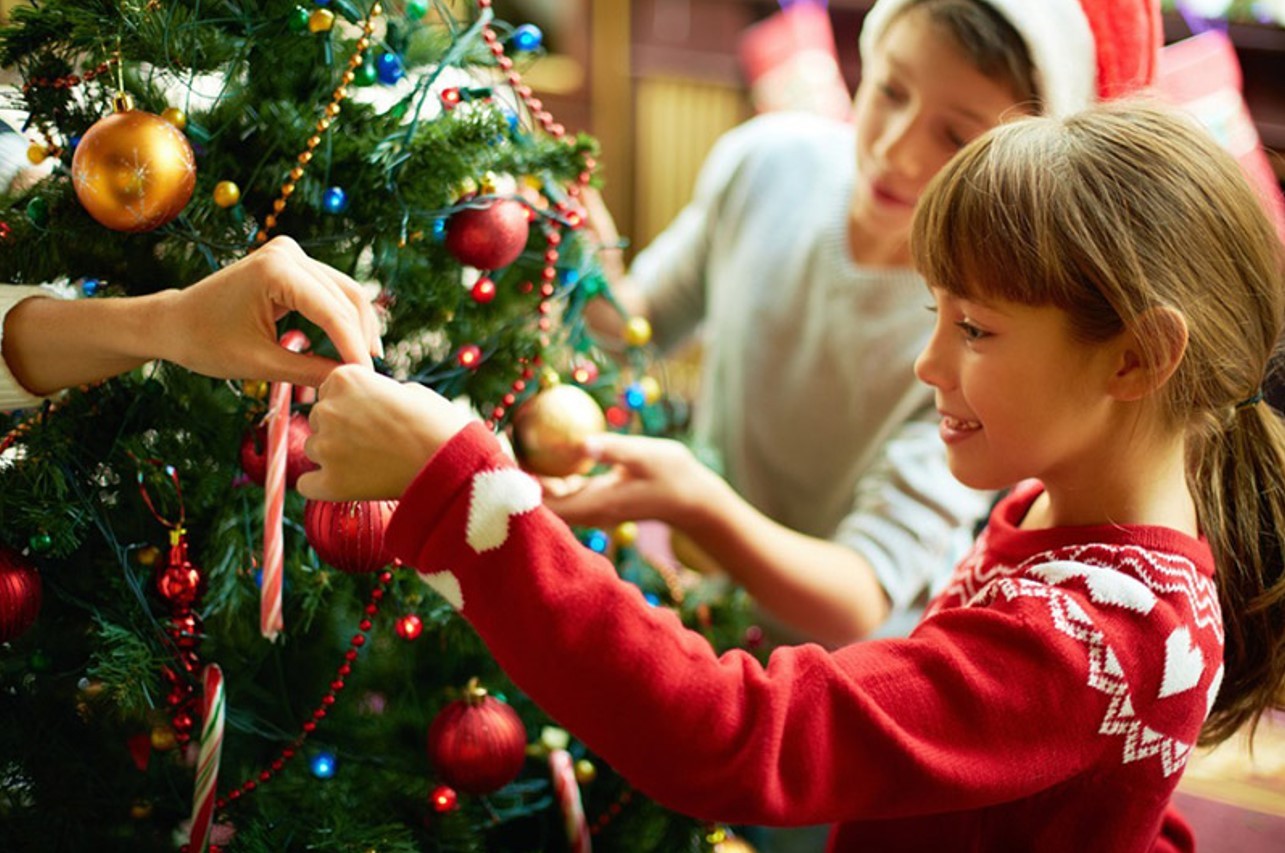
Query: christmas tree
[192, 655]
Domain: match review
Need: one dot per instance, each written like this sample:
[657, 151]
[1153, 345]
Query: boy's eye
[891, 92]
[971, 332]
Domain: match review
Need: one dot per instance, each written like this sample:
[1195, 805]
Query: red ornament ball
[477, 744]
[254, 451]
[443, 799]
[349, 535]
[20, 594]
[409, 626]
[179, 583]
[488, 237]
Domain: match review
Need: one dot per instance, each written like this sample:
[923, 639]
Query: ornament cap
[123, 102]
[474, 692]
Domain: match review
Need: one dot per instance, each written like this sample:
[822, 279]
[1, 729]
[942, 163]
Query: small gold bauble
[626, 534]
[163, 738]
[133, 171]
[175, 116]
[140, 809]
[637, 332]
[321, 21]
[585, 771]
[550, 428]
[226, 193]
[36, 154]
[650, 388]
[148, 555]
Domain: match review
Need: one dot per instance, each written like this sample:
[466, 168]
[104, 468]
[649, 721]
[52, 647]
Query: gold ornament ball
[626, 534]
[585, 771]
[637, 332]
[226, 193]
[321, 21]
[175, 116]
[549, 429]
[133, 171]
[36, 154]
[734, 844]
[140, 809]
[650, 388]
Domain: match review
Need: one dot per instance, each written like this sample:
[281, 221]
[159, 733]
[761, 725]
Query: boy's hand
[650, 478]
[371, 435]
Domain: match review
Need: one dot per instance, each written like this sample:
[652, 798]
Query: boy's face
[919, 102]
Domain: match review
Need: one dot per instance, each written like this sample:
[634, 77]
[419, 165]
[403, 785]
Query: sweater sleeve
[878, 729]
[911, 519]
[12, 394]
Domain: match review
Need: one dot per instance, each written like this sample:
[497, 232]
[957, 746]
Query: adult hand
[225, 325]
[371, 435]
[650, 478]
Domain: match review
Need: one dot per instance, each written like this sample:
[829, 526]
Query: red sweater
[1048, 700]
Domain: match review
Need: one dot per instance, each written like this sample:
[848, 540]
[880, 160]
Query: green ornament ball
[38, 211]
[416, 9]
[298, 20]
[40, 542]
[365, 74]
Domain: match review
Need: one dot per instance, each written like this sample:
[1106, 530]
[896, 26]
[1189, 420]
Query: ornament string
[213, 701]
[274, 497]
[319, 713]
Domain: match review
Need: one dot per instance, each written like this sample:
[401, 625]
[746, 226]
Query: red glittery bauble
[20, 592]
[488, 237]
[254, 451]
[477, 744]
[179, 583]
[349, 535]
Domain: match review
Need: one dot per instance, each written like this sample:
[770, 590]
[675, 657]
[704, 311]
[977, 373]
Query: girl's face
[919, 102]
[1019, 397]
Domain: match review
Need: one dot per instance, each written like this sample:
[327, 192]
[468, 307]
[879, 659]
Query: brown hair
[988, 39]
[1106, 214]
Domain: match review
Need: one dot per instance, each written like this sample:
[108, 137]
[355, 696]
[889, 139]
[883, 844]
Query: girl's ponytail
[1238, 479]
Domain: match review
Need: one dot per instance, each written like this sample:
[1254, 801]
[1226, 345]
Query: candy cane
[567, 792]
[207, 765]
[274, 498]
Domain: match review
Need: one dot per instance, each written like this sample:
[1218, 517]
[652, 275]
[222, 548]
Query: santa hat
[1083, 50]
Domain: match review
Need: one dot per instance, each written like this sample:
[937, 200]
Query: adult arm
[223, 326]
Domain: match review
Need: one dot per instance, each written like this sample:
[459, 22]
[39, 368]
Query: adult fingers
[298, 283]
[358, 297]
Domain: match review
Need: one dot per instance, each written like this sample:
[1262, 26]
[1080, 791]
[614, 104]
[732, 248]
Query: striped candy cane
[207, 765]
[567, 792]
[274, 498]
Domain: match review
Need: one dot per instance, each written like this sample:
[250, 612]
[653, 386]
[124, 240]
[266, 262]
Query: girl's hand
[371, 435]
[650, 478]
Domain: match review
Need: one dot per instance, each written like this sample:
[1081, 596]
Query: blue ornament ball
[334, 200]
[389, 68]
[323, 765]
[527, 37]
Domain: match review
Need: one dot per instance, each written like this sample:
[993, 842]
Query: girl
[793, 259]
[1107, 292]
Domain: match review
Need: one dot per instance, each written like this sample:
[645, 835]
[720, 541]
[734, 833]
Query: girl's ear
[1142, 369]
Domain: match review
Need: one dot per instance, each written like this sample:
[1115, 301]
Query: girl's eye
[971, 332]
